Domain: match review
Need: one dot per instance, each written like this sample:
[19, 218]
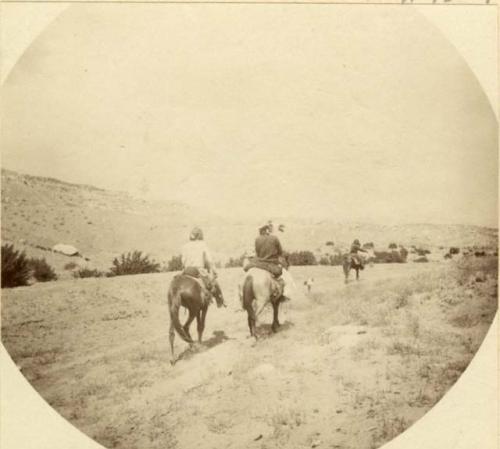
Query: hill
[39, 212]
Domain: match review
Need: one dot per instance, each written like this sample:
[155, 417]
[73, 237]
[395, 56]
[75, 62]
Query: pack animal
[348, 264]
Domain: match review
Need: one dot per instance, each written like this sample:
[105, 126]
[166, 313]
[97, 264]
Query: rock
[67, 250]
[480, 277]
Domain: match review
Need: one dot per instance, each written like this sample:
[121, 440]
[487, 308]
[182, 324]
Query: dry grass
[360, 364]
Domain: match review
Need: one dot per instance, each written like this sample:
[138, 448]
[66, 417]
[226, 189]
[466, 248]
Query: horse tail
[174, 316]
[248, 293]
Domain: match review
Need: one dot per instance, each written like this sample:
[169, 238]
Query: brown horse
[187, 292]
[259, 289]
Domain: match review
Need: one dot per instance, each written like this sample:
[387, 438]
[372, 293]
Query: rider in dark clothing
[268, 248]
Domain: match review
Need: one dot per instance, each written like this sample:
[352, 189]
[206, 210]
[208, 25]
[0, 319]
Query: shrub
[88, 273]
[302, 258]
[368, 245]
[15, 267]
[330, 243]
[389, 257]
[422, 252]
[422, 259]
[337, 260]
[42, 271]
[454, 250]
[334, 260]
[70, 266]
[174, 264]
[133, 263]
[393, 246]
[235, 262]
[324, 260]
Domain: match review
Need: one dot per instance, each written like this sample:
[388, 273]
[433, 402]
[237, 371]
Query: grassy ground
[352, 366]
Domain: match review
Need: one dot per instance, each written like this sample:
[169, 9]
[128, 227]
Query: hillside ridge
[41, 212]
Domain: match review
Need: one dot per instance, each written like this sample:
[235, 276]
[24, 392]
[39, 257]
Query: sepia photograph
[247, 225]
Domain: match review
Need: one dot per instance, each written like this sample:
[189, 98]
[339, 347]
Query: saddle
[275, 269]
[356, 263]
[204, 281]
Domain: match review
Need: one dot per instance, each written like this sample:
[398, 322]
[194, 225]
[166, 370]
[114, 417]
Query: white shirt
[195, 253]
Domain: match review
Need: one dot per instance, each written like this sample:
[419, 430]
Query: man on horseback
[270, 257]
[197, 261]
[355, 257]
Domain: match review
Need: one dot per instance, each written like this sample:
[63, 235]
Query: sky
[349, 114]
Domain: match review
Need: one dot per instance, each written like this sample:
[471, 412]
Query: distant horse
[349, 264]
[187, 292]
[260, 289]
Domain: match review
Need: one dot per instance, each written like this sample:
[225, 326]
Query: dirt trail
[349, 368]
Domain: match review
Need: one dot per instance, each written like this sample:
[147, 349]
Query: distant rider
[271, 257]
[355, 249]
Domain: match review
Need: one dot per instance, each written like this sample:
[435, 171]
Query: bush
[88, 273]
[235, 262]
[330, 243]
[70, 266]
[389, 257]
[335, 260]
[174, 264]
[42, 271]
[302, 258]
[454, 250]
[393, 246]
[324, 260]
[133, 263]
[422, 252]
[369, 245]
[15, 267]
[422, 259]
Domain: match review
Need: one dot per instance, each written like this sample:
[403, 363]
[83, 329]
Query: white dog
[309, 283]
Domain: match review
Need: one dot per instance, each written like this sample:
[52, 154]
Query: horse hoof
[172, 362]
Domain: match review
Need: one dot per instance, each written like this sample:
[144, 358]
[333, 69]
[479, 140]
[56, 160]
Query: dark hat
[281, 228]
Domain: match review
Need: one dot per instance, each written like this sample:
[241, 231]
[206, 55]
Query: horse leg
[357, 274]
[201, 322]
[188, 323]
[171, 334]
[276, 323]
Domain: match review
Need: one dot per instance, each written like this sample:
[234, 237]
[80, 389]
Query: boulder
[67, 250]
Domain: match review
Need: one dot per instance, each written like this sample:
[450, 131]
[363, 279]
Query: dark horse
[348, 264]
[260, 289]
[187, 292]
